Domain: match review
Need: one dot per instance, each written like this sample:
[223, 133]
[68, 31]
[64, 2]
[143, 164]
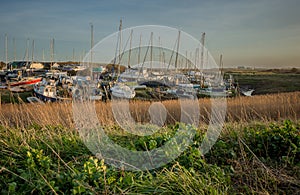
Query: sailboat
[247, 92]
[19, 82]
[47, 91]
[186, 91]
[26, 81]
[34, 100]
[121, 90]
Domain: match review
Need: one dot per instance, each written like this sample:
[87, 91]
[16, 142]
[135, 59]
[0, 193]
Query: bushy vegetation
[250, 158]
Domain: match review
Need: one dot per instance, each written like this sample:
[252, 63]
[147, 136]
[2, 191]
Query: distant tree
[294, 70]
[2, 65]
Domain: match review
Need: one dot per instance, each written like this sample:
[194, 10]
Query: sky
[256, 33]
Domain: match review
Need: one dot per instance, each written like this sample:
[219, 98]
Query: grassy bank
[15, 98]
[248, 158]
[268, 82]
[258, 151]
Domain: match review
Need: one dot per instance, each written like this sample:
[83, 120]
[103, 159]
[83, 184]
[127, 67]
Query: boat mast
[151, 50]
[43, 55]
[32, 54]
[129, 55]
[196, 56]
[202, 49]
[221, 63]
[186, 59]
[73, 57]
[52, 52]
[176, 59]
[139, 55]
[92, 44]
[27, 52]
[160, 52]
[6, 51]
[120, 47]
[92, 40]
[51, 55]
[15, 51]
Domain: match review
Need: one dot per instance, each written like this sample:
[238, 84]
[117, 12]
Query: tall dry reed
[240, 109]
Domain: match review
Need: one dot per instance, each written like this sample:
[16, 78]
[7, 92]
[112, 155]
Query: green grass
[9, 97]
[268, 83]
[248, 158]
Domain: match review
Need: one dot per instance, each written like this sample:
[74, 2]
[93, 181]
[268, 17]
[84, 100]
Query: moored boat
[122, 91]
[26, 81]
[47, 92]
[247, 92]
[34, 100]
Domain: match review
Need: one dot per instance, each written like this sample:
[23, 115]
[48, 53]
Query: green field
[249, 158]
[9, 97]
[269, 83]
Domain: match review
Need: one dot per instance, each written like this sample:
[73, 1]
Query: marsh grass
[273, 107]
[257, 152]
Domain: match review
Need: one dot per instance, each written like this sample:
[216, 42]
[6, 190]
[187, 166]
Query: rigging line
[176, 42]
[117, 46]
[120, 55]
[123, 51]
[144, 58]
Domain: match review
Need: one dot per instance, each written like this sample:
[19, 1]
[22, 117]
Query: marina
[58, 85]
[148, 72]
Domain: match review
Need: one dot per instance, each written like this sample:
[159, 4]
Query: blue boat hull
[45, 98]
